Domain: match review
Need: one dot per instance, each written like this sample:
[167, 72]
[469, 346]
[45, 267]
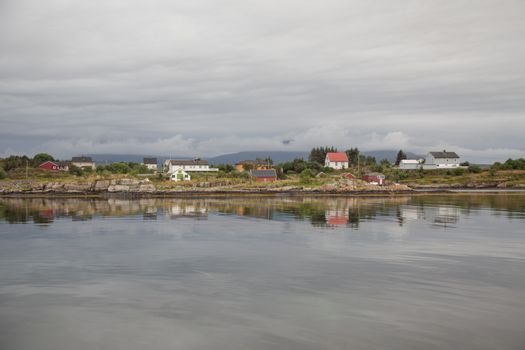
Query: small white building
[193, 165]
[442, 160]
[410, 164]
[83, 162]
[180, 175]
[336, 160]
[150, 163]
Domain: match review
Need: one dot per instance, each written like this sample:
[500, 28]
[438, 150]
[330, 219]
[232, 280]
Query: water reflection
[439, 211]
[421, 272]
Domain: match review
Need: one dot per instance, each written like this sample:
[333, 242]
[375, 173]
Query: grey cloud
[206, 77]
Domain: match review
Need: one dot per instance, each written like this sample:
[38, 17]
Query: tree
[41, 158]
[3, 174]
[13, 162]
[384, 165]
[400, 156]
[318, 154]
[353, 156]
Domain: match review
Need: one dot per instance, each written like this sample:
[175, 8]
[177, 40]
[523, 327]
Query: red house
[58, 166]
[374, 178]
[268, 175]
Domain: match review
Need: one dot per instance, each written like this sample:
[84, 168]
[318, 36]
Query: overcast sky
[206, 77]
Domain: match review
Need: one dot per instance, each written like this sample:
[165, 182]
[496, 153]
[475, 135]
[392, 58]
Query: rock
[146, 188]
[118, 188]
[129, 182]
[77, 187]
[102, 185]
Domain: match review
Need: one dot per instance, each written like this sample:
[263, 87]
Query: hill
[232, 158]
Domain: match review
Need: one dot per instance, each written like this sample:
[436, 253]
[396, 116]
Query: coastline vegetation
[310, 173]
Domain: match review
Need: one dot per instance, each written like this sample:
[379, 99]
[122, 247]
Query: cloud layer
[207, 77]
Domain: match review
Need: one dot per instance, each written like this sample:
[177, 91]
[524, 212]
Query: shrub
[306, 175]
[3, 174]
[458, 171]
[474, 169]
[74, 170]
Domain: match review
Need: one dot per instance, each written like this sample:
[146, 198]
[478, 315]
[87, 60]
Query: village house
[180, 175]
[336, 160]
[54, 165]
[439, 160]
[268, 175]
[150, 163]
[410, 164]
[193, 165]
[374, 178]
[258, 164]
[83, 162]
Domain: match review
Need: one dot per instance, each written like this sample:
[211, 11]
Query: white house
[194, 165]
[83, 162]
[150, 163]
[336, 160]
[410, 164]
[441, 160]
[180, 175]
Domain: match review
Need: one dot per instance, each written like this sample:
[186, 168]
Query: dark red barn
[49, 165]
[264, 175]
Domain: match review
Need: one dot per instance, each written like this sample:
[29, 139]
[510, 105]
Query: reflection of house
[336, 217]
[374, 178]
[150, 163]
[180, 175]
[442, 216]
[150, 213]
[194, 165]
[336, 160]
[258, 164]
[83, 162]
[187, 211]
[438, 160]
[264, 175]
[59, 166]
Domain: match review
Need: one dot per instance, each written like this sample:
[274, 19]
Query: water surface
[422, 272]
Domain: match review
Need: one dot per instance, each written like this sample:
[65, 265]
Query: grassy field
[502, 178]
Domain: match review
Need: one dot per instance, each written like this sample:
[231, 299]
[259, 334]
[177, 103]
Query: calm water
[435, 272]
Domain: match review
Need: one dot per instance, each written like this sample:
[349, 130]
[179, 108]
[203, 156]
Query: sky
[208, 77]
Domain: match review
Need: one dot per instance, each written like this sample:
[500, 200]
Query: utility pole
[358, 158]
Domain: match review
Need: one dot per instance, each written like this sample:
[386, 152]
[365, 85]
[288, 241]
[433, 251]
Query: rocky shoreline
[145, 188]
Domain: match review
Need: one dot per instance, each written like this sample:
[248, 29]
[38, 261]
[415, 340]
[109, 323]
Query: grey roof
[150, 161]
[444, 154]
[188, 162]
[82, 160]
[264, 173]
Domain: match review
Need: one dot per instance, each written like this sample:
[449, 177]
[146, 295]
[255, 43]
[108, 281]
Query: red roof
[337, 157]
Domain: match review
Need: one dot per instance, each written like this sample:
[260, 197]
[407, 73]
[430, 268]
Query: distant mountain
[137, 158]
[232, 158]
[276, 156]
[391, 155]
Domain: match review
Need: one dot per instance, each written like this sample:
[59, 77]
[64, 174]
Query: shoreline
[260, 193]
